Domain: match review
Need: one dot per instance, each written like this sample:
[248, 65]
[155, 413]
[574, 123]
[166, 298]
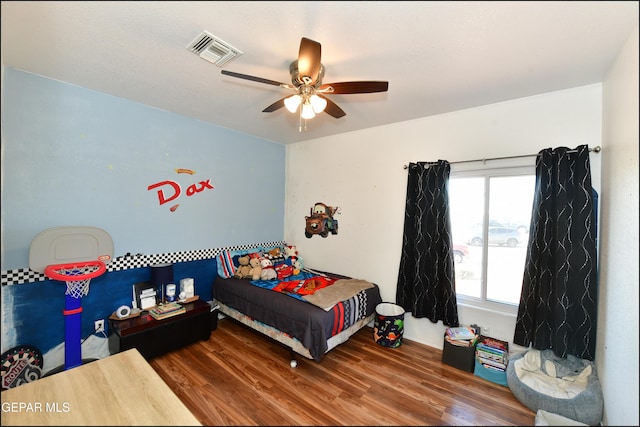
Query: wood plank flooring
[240, 377]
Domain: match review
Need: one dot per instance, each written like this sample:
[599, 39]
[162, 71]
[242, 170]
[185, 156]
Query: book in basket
[166, 310]
[461, 333]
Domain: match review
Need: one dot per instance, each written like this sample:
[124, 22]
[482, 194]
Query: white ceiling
[437, 56]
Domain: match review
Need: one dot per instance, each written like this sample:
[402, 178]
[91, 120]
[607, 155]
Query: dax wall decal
[175, 187]
[320, 220]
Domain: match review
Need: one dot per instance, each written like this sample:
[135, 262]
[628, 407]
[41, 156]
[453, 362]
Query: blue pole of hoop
[72, 330]
[73, 304]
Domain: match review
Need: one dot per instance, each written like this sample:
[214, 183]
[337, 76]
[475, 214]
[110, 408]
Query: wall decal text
[173, 189]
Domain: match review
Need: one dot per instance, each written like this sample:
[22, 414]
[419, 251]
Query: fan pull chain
[302, 126]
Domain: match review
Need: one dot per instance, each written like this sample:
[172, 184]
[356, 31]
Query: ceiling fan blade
[309, 60]
[332, 108]
[255, 79]
[355, 87]
[275, 106]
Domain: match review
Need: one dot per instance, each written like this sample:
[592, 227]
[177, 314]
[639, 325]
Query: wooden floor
[240, 377]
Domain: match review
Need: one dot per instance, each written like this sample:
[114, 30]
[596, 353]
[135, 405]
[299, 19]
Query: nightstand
[155, 337]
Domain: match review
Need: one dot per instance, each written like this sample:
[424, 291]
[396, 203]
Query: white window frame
[510, 167]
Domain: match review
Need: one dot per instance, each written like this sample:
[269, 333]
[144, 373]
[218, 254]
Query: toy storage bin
[388, 326]
[495, 376]
[458, 356]
[487, 349]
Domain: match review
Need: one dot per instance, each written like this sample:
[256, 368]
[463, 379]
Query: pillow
[226, 268]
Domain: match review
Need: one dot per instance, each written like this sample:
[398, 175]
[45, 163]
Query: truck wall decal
[321, 221]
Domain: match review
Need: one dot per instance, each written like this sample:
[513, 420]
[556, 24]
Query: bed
[307, 326]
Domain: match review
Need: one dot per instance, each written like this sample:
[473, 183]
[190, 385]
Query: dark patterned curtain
[558, 304]
[426, 283]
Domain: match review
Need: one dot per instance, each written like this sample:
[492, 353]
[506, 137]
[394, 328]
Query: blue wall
[73, 156]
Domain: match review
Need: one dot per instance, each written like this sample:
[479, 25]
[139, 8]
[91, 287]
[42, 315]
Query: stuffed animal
[283, 270]
[292, 258]
[290, 254]
[290, 250]
[243, 271]
[268, 271]
[256, 268]
[275, 255]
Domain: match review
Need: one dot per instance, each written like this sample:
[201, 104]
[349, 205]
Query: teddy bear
[243, 271]
[256, 268]
[268, 271]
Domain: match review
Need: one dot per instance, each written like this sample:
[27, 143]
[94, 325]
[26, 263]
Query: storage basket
[389, 325]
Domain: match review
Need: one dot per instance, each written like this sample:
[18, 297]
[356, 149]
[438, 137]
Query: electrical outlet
[486, 331]
[98, 326]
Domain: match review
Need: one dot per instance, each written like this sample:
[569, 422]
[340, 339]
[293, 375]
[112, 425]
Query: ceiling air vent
[212, 49]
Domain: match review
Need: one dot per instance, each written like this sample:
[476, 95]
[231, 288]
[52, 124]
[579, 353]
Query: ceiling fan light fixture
[318, 103]
[307, 110]
[293, 102]
[307, 73]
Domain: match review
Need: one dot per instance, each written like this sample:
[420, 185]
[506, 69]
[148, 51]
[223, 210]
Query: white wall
[362, 173]
[617, 359]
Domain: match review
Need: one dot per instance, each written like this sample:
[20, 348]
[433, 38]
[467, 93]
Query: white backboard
[64, 245]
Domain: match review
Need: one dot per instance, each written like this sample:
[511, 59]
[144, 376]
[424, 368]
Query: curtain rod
[595, 149]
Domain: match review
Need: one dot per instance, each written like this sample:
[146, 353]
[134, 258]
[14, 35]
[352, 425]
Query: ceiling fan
[307, 73]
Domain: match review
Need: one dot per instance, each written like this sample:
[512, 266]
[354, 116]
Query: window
[490, 215]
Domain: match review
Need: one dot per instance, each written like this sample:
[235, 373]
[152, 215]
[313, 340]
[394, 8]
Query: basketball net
[76, 276]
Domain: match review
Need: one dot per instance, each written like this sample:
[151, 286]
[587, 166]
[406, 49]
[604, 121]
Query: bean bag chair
[568, 387]
[544, 418]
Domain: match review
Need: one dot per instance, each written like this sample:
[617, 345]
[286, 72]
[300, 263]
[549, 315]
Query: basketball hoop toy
[77, 277]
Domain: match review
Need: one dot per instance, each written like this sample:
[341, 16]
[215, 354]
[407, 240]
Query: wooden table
[122, 389]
